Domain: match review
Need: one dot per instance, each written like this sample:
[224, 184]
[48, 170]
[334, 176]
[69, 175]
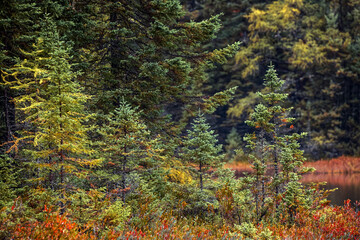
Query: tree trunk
[8, 121]
[123, 172]
[201, 176]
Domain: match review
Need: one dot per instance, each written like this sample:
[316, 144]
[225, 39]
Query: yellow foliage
[180, 176]
[246, 58]
[258, 20]
[256, 15]
[242, 105]
[263, 44]
[279, 15]
[297, 3]
[306, 53]
[321, 140]
[288, 13]
[252, 67]
[242, 56]
[282, 14]
[324, 50]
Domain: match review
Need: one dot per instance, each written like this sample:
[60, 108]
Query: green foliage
[53, 105]
[247, 229]
[9, 179]
[200, 148]
[97, 209]
[127, 146]
[219, 99]
[276, 151]
[148, 66]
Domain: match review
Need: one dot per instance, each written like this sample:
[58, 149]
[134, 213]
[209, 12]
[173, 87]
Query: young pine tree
[200, 152]
[201, 149]
[277, 160]
[128, 146]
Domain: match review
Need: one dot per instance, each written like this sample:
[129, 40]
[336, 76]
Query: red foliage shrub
[326, 223]
[54, 227]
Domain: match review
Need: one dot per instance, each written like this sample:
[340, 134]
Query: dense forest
[117, 117]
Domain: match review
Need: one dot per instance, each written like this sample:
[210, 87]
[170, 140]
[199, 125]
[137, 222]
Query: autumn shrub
[97, 210]
[26, 209]
[38, 215]
[340, 222]
[55, 226]
[235, 199]
[169, 227]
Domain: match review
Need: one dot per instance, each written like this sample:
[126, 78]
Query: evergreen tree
[128, 147]
[276, 159]
[315, 38]
[201, 149]
[151, 57]
[19, 27]
[200, 152]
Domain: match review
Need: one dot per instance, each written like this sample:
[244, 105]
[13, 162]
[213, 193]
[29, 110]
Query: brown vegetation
[239, 167]
[341, 164]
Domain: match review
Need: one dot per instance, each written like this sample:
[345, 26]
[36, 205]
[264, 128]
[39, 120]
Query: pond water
[348, 186]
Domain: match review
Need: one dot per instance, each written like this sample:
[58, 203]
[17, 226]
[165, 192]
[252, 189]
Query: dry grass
[337, 165]
[239, 167]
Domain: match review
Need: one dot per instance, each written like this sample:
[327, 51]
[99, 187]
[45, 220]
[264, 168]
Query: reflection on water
[348, 186]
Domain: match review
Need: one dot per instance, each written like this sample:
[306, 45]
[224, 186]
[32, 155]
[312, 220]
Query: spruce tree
[277, 160]
[201, 148]
[128, 147]
[151, 57]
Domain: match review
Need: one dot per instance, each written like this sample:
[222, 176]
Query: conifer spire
[277, 159]
[201, 147]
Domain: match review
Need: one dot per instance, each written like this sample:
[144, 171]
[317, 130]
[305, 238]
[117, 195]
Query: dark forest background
[314, 46]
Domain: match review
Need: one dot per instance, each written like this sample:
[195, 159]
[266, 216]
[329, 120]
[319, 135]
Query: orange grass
[239, 167]
[341, 164]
